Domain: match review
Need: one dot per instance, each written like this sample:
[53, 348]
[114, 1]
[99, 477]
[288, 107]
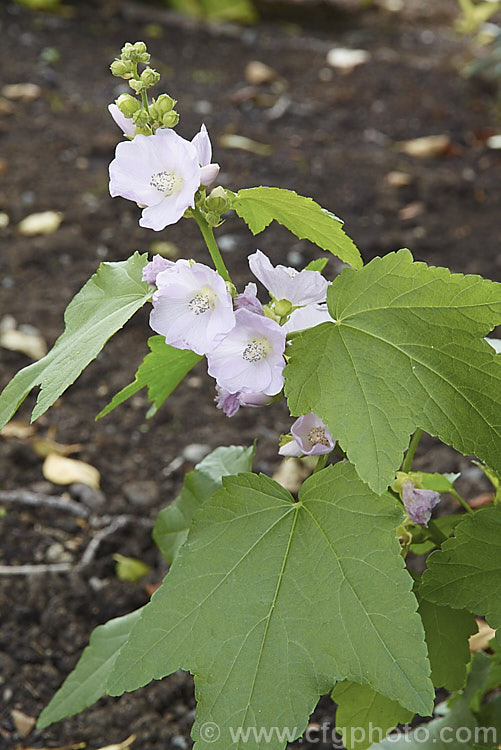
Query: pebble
[89, 496]
[142, 492]
[195, 452]
[179, 741]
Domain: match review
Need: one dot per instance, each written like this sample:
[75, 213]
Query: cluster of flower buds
[138, 116]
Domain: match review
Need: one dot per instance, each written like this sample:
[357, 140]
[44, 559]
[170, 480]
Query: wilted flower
[230, 403]
[192, 307]
[154, 267]
[161, 172]
[250, 358]
[418, 503]
[298, 287]
[248, 300]
[311, 438]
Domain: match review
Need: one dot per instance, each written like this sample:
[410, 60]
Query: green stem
[144, 99]
[321, 462]
[409, 456]
[462, 501]
[211, 243]
[435, 534]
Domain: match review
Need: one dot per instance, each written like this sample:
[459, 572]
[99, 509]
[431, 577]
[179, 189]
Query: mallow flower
[248, 300]
[307, 317]
[154, 267]
[124, 123]
[418, 503]
[311, 438]
[162, 172]
[250, 358]
[192, 307]
[286, 283]
[230, 403]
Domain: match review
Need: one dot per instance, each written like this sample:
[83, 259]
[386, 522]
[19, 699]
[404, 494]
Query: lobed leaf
[103, 305]
[259, 206]
[270, 601]
[161, 371]
[405, 349]
[466, 572]
[87, 682]
[173, 522]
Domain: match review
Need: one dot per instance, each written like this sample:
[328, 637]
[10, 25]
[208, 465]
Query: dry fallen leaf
[4, 218]
[62, 470]
[18, 429]
[397, 179]
[24, 91]
[232, 140]
[257, 72]
[480, 641]
[23, 723]
[429, 145]
[347, 59]
[293, 471]
[120, 745]
[43, 446]
[411, 210]
[45, 222]
[480, 501]
[28, 342]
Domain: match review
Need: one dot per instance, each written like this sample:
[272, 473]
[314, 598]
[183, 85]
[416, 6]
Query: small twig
[28, 570]
[91, 549]
[25, 497]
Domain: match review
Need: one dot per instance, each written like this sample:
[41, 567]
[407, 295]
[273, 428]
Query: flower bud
[212, 218]
[164, 104]
[127, 104]
[121, 69]
[140, 117]
[283, 307]
[136, 86]
[150, 77]
[135, 52]
[170, 119]
[143, 130]
[218, 200]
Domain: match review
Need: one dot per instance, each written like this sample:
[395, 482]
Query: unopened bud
[283, 307]
[136, 86]
[140, 117]
[127, 104]
[212, 218]
[218, 200]
[142, 130]
[170, 119]
[164, 104]
[121, 69]
[135, 52]
[150, 77]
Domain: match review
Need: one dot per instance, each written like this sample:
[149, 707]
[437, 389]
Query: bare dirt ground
[330, 135]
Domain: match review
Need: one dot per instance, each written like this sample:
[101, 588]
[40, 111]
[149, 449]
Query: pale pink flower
[250, 358]
[307, 317]
[230, 403]
[203, 147]
[419, 503]
[192, 307]
[154, 267]
[311, 438]
[283, 282]
[248, 300]
[124, 123]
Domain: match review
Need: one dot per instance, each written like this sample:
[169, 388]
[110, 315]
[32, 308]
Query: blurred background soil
[324, 132]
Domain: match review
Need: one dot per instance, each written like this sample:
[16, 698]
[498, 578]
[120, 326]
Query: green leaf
[455, 726]
[447, 631]
[406, 351]
[437, 482]
[317, 265]
[271, 601]
[130, 568]
[161, 370]
[87, 682]
[466, 572]
[106, 302]
[421, 541]
[172, 524]
[259, 206]
[359, 709]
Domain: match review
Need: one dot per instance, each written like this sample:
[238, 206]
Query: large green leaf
[104, 304]
[466, 572]
[87, 682]
[447, 631]
[161, 371]
[359, 708]
[455, 726]
[406, 351]
[259, 206]
[173, 523]
[271, 601]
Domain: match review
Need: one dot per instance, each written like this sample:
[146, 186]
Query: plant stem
[321, 462]
[435, 534]
[211, 243]
[462, 501]
[144, 99]
[409, 456]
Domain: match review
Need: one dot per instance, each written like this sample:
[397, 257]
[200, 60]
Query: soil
[332, 136]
